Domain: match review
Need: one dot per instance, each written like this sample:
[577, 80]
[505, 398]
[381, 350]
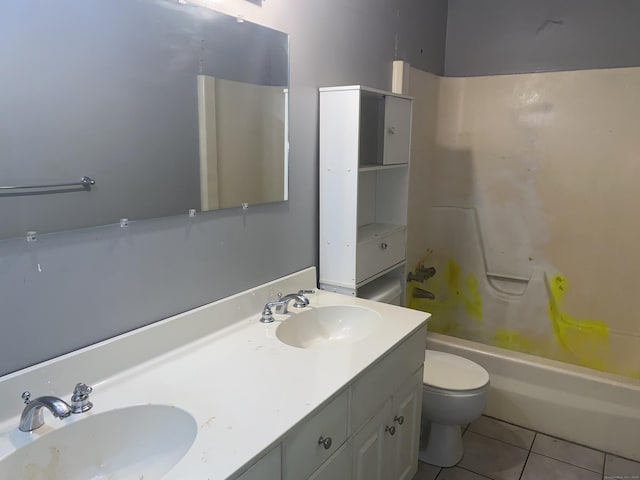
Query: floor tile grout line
[472, 471]
[544, 455]
[502, 441]
[545, 434]
[524, 465]
[568, 463]
[530, 450]
[509, 423]
[621, 457]
[572, 443]
[438, 474]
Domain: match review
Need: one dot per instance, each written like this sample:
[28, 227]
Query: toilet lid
[451, 372]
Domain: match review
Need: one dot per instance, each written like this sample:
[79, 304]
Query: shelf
[363, 215]
[376, 230]
[377, 168]
[362, 283]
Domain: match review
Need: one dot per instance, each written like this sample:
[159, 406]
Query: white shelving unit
[365, 140]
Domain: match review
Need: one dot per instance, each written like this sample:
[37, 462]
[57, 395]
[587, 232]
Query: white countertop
[244, 387]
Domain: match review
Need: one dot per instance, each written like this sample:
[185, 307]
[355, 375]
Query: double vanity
[329, 391]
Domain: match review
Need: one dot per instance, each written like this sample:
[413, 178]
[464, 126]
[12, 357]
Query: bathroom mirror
[167, 105]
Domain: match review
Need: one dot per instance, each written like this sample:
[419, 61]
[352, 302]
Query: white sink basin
[141, 442]
[328, 327]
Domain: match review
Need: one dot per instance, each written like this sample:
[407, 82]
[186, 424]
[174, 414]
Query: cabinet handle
[383, 246]
[325, 442]
[391, 430]
[399, 419]
[392, 130]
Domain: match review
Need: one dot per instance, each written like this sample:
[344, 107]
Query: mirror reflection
[167, 106]
[230, 113]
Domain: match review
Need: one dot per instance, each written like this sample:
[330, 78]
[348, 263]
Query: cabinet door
[338, 467]
[397, 130]
[385, 378]
[407, 412]
[267, 468]
[371, 458]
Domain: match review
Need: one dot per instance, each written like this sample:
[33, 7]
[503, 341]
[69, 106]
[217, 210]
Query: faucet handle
[82, 389]
[267, 315]
[302, 301]
[80, 398]
[26, 396]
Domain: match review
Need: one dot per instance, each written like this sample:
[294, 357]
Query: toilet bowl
[454, 394]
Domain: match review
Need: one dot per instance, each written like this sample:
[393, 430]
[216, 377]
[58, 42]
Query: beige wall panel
[549, 164]
[425, 115]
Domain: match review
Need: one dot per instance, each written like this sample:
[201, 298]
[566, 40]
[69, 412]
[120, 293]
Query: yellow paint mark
[454, 293]
[473, 303]
[588, 340]
[457, 310]
[513, 340]
[463, 293]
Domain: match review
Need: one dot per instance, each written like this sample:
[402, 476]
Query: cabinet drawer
[303, 452]
[381, 380]
[379, 252]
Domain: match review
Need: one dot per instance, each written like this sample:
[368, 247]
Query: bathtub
[592, 408]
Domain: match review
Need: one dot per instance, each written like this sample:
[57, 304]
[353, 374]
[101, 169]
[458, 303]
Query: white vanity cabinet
[365, 139]
[367, 431]
[386, 448]
[386, 409]
[267, 468]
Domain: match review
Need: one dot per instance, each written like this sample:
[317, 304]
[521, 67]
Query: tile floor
[497, 450]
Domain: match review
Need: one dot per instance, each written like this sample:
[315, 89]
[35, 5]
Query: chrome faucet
[32, 415]
[282, 304]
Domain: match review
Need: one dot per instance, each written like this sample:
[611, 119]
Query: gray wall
[122, 110]
[518, 36]
[421, 34]
[68, 290]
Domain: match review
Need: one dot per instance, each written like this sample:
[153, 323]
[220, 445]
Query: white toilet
[454, 394]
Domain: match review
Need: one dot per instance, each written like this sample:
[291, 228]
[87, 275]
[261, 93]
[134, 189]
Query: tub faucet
[32, 415]
[282, 304]
[421, 274]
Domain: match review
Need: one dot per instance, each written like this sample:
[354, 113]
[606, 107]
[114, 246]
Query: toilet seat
[447, 372]
[446, 392]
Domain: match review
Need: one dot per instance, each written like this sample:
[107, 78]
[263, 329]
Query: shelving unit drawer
[379, 251]
[316, 439]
